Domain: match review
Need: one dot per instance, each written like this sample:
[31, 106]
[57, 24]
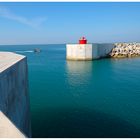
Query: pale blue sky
[42, 23]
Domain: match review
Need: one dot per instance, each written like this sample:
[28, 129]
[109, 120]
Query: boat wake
[24, 51]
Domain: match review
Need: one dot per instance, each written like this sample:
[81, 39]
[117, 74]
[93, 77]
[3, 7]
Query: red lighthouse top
[83, 40]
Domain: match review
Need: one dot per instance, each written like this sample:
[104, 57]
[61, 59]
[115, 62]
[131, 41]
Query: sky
[66, 22]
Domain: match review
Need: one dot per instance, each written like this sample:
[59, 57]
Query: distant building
[81, 51]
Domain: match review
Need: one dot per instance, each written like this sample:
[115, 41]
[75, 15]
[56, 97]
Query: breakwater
[125, 50]
[115, 50]
[14, 101]
[98, 51]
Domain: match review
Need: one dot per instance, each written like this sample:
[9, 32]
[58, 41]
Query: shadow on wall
[80, 123]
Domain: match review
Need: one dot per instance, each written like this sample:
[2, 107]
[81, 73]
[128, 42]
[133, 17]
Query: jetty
[91, 51]
[14, 102]
[125, 50]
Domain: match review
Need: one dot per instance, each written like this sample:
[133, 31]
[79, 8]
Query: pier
[87, 51]
[92, 51]
[14, 101]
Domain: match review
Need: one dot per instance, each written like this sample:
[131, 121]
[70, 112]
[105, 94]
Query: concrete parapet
[14, 101]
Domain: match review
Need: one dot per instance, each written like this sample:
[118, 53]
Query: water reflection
[79, 72]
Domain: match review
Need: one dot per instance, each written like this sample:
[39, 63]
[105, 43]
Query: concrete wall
[101, 50]
[14, 97]
[104, 49]
[95, 52]
[88, 51]
[79, 51]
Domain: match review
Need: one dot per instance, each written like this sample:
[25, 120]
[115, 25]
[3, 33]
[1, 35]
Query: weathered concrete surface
[88, 51]
[101, 50]
[79, 52]
[14, 97]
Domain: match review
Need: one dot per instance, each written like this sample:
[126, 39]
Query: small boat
[37, 50]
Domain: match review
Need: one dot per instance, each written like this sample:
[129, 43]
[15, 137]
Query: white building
[79, 51]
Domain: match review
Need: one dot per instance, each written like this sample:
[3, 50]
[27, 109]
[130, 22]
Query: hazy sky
[39, 23]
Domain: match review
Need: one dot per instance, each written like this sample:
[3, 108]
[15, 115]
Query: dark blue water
[98, 98]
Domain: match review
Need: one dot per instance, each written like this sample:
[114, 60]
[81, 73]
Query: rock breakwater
[125, 50]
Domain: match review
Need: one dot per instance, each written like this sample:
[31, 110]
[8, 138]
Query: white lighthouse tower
[81, 51]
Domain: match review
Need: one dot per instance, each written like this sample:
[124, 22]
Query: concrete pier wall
[79, 51]
[14, 97]
[88, 51]
[101, 50]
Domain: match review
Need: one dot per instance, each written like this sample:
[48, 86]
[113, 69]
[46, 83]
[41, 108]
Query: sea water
[99, 98]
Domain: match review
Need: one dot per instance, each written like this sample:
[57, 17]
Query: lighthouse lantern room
[82, 40]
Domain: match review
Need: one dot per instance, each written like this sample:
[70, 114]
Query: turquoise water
[98, 98]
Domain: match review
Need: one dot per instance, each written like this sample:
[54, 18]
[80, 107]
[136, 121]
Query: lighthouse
[79, 51]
